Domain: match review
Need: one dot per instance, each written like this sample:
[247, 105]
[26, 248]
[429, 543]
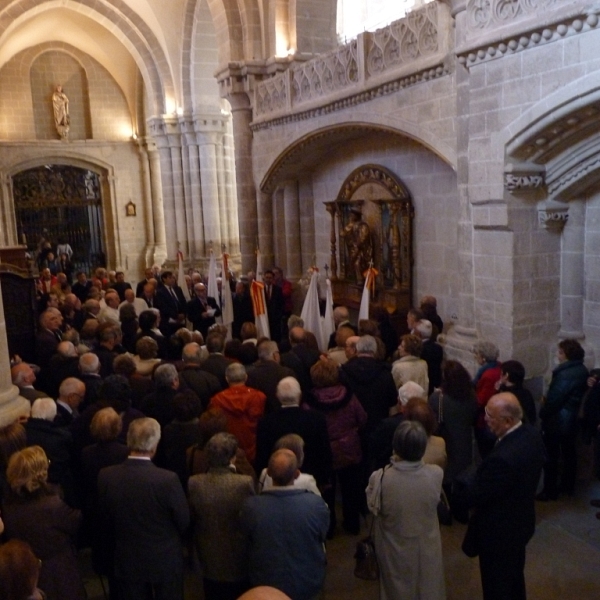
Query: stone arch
[353, 126]
[72, 157]
[125, 24]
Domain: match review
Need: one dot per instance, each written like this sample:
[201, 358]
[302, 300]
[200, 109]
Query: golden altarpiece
[371, 223]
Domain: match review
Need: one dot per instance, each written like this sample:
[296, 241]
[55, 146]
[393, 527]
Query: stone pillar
[12, 406]
[196, 238]
[292, 239]
[210, 190]
[247, 198]
[158, 214]
[147, 191]
[178, 193]
[572, 273]
[264, 205]
[231, 192]
[8, 230]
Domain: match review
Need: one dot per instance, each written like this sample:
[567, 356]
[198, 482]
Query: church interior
[465, 131]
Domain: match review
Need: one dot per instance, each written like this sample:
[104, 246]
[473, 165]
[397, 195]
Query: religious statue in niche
[60, 105]
[371, 224]
[359, 243]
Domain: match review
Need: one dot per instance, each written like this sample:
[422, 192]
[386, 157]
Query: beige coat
[406, 531]
[410, 368]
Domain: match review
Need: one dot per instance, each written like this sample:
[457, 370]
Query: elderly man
[57, 444]
[110, 312]
[65, 363]
[310, 425]
[120, 285]
[341, 318]
[139, 304]
[338, 353]
[159, 404]
[286, 529]
[48, 336]
[70, 396]
[23, 376]
[502, 494]
[202, 309]
[431, 352]
[139, 288]
[89, 368]
[243, 406]
[146, 513]
[205, 384]
[267, 373]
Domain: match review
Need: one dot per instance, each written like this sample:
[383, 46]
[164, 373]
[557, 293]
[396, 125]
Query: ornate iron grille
[55, 202]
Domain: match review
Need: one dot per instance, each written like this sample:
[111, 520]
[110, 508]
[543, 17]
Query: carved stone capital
[553, 215]
[518, 182]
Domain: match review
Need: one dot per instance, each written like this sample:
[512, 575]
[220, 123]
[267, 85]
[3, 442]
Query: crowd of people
[156, 435]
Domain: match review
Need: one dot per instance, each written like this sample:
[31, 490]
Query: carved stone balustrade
[411, 50]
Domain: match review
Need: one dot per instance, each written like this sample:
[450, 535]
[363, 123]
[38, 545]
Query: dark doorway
[61, 204]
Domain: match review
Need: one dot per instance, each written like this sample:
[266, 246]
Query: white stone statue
[60, 104]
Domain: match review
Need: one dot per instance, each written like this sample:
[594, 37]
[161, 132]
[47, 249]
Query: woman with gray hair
[403, 498]
[488, 374]
[216, 499]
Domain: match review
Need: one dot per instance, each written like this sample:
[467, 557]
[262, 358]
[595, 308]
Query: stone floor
[563, 559]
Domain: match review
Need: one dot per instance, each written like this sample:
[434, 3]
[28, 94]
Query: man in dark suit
[48, 336]
[432, 353]
[215, 363]
[310, 425]
[23, 376]
[170, 301]
[146, 511]
[502, 494]
[120, 285]
[70, 396]
[205, 384]
[139, 288]
[267, 373]
[82, 287]
[275, 303]
[202, 310]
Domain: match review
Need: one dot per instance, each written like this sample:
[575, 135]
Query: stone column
[178, 193]
[12, 406]
[210, 189]
[247, 198]
[264, 205]
[8, 230]
[158, 214]
[147, 191]
[572, 273]
[197, 237]
[291, 220]
[231, 191]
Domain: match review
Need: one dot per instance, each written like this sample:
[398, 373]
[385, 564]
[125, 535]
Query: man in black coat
[139, 288]
[146, 511]
[82, 287]
[120, 285]
[432, 353]
[502, 494]
[310, 425]
[202, 310]
[216, 363]
[203, 383]
[170, 301]
[267, 373]
[275, 305]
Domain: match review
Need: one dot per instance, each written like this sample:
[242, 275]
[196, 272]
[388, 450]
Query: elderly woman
[488, 374]
[559, 419]
[403, 498]
[216, 499]
[146, 357]
[417, 409]
[211, 422]
[409, 367]
[344, 416]
[34, 513]
[13, 438]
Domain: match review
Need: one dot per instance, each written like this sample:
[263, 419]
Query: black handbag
[366, 560]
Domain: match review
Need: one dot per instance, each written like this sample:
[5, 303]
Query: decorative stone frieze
[553, 215]
[529, 37]
[482, 14]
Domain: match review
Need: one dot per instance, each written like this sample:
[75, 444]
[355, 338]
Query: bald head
[502, 413]
[264, 593]
[22, 375]
[283, 468]
[66, 349]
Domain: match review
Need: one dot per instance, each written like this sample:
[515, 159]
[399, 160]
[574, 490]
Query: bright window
[356, 16]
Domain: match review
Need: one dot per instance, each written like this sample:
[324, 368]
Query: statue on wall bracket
[371, 220]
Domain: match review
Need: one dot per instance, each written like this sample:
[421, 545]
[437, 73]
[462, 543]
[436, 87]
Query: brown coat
[49, 526]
